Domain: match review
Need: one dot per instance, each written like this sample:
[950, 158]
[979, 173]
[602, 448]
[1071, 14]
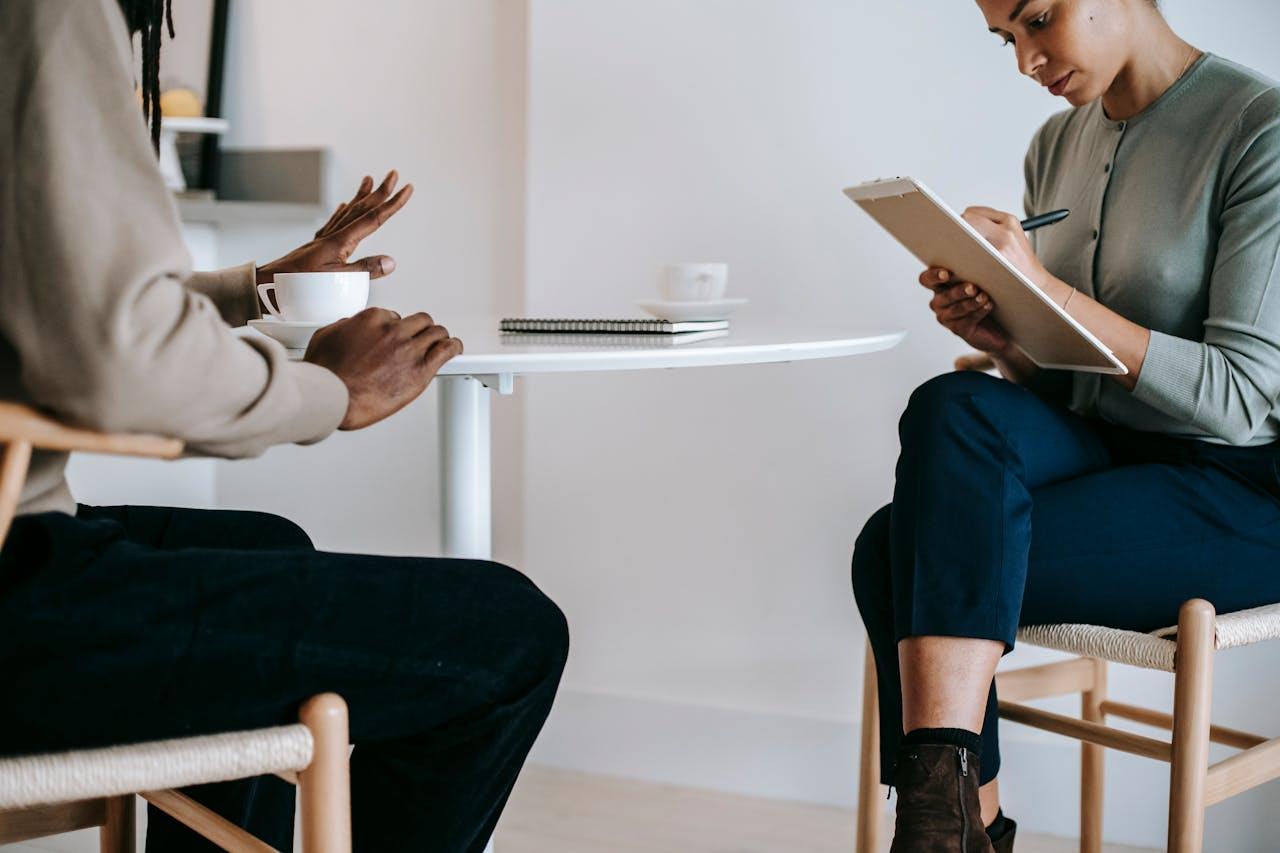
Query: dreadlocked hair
[148, 17]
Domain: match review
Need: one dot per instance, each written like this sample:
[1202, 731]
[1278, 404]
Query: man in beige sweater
[180, 622]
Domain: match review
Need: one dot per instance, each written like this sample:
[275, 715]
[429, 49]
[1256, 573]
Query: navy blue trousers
[1011, 510]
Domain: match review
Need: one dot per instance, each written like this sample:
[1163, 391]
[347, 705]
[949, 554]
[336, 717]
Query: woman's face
[1076, 48]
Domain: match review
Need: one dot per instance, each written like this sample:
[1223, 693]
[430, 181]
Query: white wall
[697, 525]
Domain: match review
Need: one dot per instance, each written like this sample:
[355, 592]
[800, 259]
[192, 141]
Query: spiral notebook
[609, 327]
[604, 340]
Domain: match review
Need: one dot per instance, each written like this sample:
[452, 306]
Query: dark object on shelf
[210, 157]
[194, 61]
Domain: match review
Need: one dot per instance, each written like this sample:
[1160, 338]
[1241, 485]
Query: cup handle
[263, 291]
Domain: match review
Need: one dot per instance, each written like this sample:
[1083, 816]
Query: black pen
[1044, 219]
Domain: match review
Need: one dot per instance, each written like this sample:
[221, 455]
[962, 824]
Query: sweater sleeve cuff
[1172, 376]
[234, 290]
[324, 402]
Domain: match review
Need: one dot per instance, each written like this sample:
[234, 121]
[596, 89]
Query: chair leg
[324, 787]
[118, 834]
[1092, 773]
[1192, 703]
[869, 803]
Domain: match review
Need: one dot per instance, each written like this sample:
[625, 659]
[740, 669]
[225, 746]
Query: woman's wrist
[1056, 289]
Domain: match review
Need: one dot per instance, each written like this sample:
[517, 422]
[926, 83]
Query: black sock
[999, 826]
[949, 737]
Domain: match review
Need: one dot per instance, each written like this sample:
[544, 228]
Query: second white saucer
[293, 335]
[711, 309]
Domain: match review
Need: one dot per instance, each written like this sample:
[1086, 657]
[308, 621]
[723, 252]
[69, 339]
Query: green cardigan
[1175, 224]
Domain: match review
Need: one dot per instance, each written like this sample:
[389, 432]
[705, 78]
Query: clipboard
[938, 237]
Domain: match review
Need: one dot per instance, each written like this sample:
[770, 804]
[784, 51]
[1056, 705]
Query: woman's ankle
[989, 797]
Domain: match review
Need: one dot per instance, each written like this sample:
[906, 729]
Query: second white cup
[315, 297]
[694, 282]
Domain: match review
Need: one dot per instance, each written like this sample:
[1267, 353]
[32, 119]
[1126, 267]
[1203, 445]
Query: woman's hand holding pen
[1004, 231]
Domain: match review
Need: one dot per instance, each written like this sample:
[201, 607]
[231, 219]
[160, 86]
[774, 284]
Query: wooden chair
[1186, 650]
[59, 792]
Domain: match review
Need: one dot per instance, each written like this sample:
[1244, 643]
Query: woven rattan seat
[68, 776]
[1157, 649]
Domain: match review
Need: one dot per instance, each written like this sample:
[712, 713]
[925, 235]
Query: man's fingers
[375, 265]
[374, 219]
[388, 184]
[366, 184]
[334, 219]
[429, 337]
[353, 206]
[364, 198]
[440, 352]
[415, 324]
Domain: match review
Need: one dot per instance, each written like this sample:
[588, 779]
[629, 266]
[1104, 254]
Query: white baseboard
[815, 760]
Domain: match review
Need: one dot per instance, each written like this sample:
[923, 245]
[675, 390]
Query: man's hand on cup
[964, 309]
[385, 360]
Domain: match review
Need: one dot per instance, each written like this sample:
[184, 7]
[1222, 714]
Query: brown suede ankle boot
[938, 809]
[1004, 844]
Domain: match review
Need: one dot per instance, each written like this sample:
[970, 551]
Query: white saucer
[294, 335]
[711, 309]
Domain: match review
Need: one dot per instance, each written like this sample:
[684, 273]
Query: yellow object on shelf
[180, 103]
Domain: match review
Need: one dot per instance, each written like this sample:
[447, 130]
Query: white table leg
[466, 504]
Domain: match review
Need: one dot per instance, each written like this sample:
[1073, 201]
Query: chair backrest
[23, 429]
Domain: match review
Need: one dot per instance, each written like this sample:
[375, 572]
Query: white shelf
[194, 124]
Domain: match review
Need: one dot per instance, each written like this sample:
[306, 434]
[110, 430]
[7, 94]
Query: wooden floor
[556, 811]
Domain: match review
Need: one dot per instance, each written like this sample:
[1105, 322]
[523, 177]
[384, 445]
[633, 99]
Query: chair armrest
[20, 423]
[975, 361]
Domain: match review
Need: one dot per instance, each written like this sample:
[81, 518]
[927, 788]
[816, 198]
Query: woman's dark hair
[147, 17]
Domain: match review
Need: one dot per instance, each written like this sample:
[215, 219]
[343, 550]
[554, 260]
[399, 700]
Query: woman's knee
[939, 403]
[871, 566]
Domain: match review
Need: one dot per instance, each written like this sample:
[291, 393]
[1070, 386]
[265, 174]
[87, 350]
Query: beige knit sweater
[102, 322]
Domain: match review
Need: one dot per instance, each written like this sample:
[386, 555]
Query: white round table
[492, 361]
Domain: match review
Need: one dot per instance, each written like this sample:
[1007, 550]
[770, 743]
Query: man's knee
[536, 624]
[274, 531]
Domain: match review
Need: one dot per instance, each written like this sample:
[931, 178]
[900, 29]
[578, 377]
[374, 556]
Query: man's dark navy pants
[1011, 510]
[125, 624]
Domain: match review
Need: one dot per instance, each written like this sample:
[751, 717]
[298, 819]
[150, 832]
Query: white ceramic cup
[694, 282]
[315, 297]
